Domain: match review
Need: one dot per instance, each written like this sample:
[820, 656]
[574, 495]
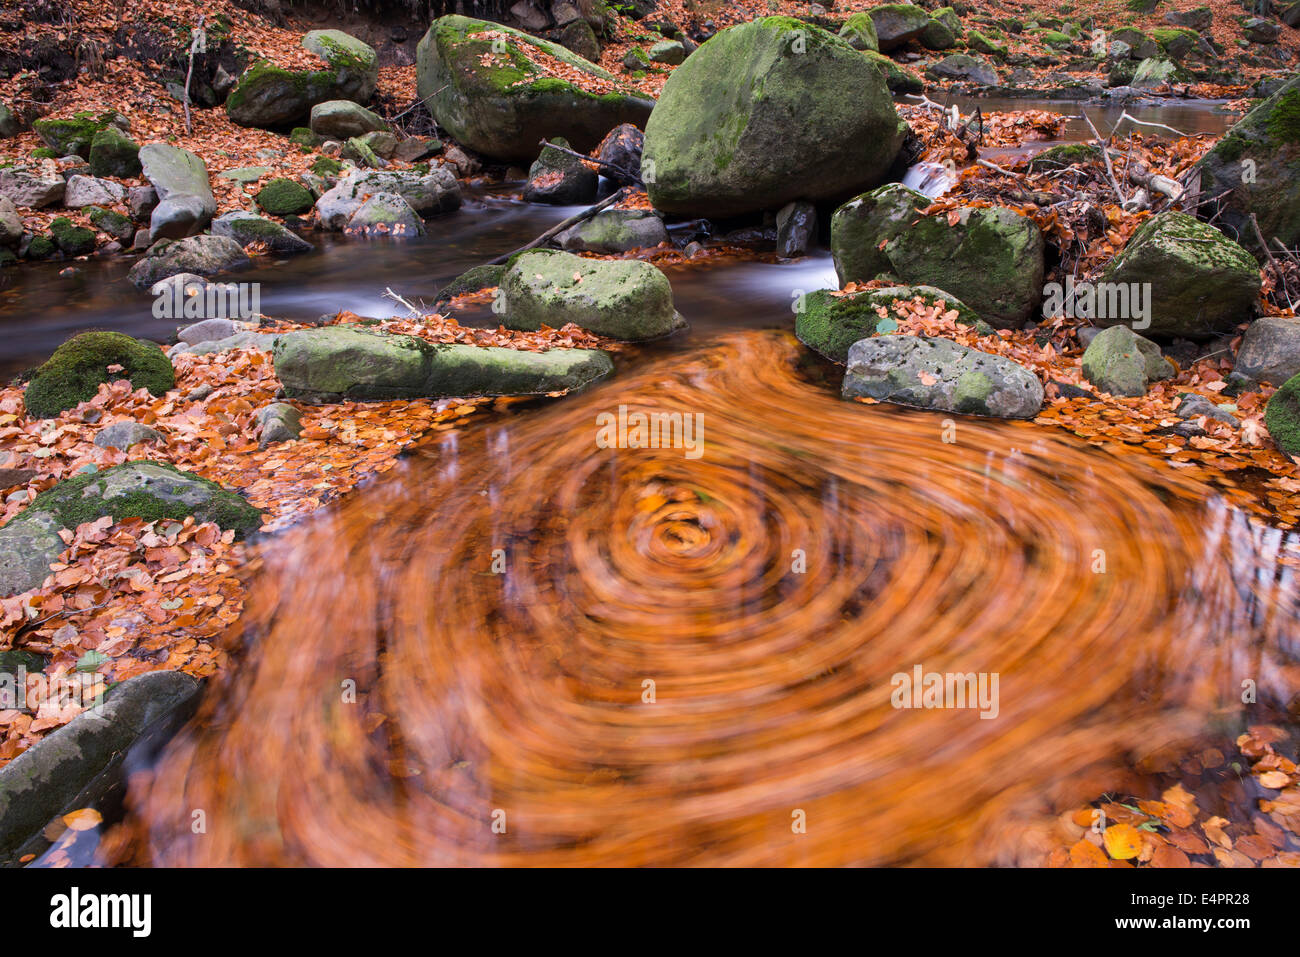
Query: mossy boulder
[671, 52]
[113, 153]
[472, 280]
[354, 64]
[1155, 72]
[1067, 154]
[937, 36]
[344, 363]
[1282, 417]
[896, 23]
[938, 374]
[72, 240]
[1175, 42]
[622, 299]
[495, 98]
[284, 197]
[734, 132]
[864, 222]
[896, 78]
[1121, 362]
[1140, 45]
[1201, 282]
[949, 18]
[859, 31]
[246, 229]
[303, 137]
[977, 42]
[71, 136]
[75, 371]
[828, 323]
[615, 231]
[1056, 40]
[580, 38]
[114, 223]
[1255, 170]
[270, 96]
[9, 126]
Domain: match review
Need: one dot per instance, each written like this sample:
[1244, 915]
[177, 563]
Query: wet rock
[336, 363]
[938, 374]
[751, 143]
[341, 119]
[560, 179]
[796, 228]
[45, 780]
[1193, 406]
[204, 255]
[245, 228]
[185, 201]
[622, 299]
[428, 194]
[504, 113]
[385, 214]
[896, 23]
[1121, 362]
[31, 188]
[472, 280]
[88, 191]
[277, 422]
[622, 148]
[1201, 282]
[829, 324]
[615, 231]
[960, 66]
[123, 435]
[1270, 351]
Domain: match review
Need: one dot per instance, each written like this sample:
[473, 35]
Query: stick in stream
[562, 226]
[626, 174]
[1105, 154]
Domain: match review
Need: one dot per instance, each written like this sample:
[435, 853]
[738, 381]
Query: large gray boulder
[1255, 170]
[896, 23]
[85, 191]
[1270, 351]
[622, 299]
[185, 201]
[931, 373]
[143, 489]
[45, 780]
[991, 258]
[354, 64]
[335, 363]
[340, 119]
[1201, 282]
[428, 194]
[32, 188]
[205, 255]
[495, 98]
[864, 223]
[734, 130]
[1121, 362]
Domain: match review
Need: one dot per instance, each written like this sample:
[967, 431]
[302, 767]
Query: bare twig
[998, 169]
[1105, 155]
[198, 44]
[389, 294]
[562, 226]
[1127, 116]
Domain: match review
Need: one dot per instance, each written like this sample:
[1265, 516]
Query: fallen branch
[1105, 155]
[562, 226]
[1127, 116]
[625, 174]
[198, 44]
[389, 294]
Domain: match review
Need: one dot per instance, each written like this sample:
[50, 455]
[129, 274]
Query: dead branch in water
[562, 226]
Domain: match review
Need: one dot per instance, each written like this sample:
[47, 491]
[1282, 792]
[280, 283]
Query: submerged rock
[494, 99]
[622, 299]
[1121, 362]
[337, 363]
[733, 132]
[931, 373]
[829, 324]
[1201, 282]
[42, 782]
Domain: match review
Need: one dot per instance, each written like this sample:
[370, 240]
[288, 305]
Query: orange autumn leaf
[83, 820]
[1123, 841]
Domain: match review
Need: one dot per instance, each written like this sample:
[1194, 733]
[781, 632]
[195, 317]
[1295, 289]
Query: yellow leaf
[1123, 841]
[83, 820]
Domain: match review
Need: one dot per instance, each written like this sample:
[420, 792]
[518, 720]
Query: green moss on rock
[72, 240]
[78, 367]
[1282, 416]
[284, 197]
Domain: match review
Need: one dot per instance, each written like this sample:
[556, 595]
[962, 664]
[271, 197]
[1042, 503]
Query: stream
[564, 654]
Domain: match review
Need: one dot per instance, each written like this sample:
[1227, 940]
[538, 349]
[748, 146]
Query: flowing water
[569, 654]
